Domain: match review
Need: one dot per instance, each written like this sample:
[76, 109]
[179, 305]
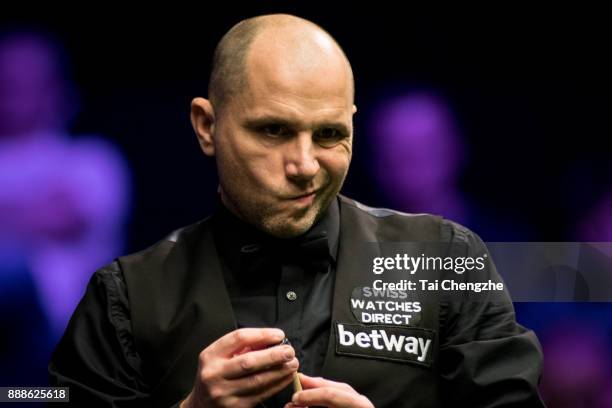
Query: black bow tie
[310, 251]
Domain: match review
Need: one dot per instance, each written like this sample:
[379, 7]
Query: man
[193, 321]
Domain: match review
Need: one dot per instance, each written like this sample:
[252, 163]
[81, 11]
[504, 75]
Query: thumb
[309, 382]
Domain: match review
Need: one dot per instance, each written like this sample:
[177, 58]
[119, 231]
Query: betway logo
[385, 342]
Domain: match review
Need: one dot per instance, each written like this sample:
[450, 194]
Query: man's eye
[275, 130]
[328, 135]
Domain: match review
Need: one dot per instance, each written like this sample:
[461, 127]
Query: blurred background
[497, 119]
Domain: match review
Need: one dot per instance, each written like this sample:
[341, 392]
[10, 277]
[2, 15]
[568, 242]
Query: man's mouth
[305, 198]
[313, 192]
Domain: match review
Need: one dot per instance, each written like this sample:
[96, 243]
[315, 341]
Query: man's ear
[203, 122]
[354, 109]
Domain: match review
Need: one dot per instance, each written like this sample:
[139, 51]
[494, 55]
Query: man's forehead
[275, 111]
[296, 100]
[267, 76]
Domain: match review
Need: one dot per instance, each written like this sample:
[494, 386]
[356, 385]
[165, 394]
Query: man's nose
[301, 162]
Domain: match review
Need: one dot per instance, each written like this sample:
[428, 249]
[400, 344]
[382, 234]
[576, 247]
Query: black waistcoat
[179, 305]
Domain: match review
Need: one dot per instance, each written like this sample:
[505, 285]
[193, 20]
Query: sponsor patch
[385, 342]
[395, 307]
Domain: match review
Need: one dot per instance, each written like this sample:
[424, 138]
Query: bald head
[279, 121]
[290, 45]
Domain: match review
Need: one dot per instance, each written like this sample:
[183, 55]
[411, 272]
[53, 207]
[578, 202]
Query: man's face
[284, 146]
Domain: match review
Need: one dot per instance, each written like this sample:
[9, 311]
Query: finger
[248, 337]
[311, 382]
[242, 351]
[328, 397]
[318, 382]
[255, 383]
[272, 390]
[259, 360]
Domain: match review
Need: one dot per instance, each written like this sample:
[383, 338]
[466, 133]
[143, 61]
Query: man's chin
[292, 225]
[288, 229]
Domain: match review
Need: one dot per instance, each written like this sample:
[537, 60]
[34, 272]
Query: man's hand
[325, 393]
[239, 370]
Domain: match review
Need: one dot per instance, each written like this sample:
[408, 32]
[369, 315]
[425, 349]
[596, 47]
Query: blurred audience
[419, 155]
[63, 202]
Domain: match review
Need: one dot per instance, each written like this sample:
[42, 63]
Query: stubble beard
[284, 223]
[287, 223]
